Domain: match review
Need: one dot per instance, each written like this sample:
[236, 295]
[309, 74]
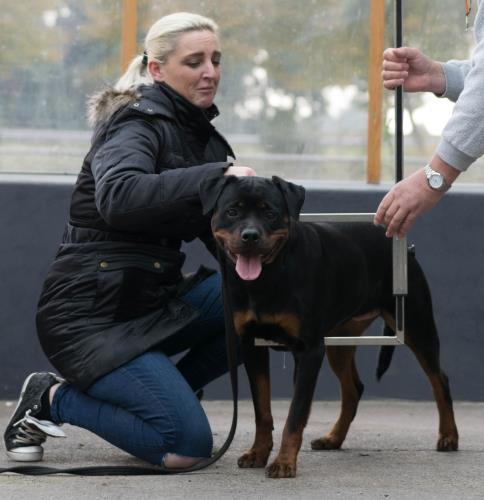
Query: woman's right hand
[414, 70]
[240, 171]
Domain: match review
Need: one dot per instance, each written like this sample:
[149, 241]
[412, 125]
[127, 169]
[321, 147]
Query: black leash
[231, 344]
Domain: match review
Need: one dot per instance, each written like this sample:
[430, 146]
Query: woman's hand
[240, 171]
[414, 70]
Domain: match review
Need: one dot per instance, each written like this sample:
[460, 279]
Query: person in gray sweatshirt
[462, 140]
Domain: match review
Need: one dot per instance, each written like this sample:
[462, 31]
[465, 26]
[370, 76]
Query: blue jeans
[148, 407]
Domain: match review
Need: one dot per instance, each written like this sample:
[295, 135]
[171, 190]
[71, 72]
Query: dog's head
[251, 218]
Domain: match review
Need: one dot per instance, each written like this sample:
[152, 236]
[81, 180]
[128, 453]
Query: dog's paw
[448, 443]
[253, 459]
[280, 469]
[326, 443]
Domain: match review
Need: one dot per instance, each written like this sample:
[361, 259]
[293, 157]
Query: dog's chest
[283, 327]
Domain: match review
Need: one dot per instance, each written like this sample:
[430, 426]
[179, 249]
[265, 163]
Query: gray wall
[449, 243]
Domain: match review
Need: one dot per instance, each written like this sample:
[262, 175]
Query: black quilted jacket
[114, 288]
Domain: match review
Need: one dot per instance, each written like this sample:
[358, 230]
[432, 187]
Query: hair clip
[144, 61]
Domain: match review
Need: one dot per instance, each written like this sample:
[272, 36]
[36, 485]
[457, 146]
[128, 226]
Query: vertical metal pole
[400, 250]
[398, 100]
[399, 244]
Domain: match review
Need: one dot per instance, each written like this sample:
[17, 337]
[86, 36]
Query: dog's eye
[232, 212]
[270, 214]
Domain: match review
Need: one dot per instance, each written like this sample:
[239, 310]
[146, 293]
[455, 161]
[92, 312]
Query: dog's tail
[385, 356]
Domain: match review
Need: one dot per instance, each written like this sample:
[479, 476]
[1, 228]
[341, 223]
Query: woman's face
[193, 69]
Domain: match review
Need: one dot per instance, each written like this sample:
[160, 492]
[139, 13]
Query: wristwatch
[435, 179]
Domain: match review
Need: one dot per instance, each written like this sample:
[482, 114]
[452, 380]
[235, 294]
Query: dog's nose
[249, 235]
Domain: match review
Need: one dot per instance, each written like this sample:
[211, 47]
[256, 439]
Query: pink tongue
[248, 268]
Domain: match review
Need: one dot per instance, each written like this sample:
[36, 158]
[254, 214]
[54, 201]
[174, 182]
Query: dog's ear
[293, 195]
[210, 190]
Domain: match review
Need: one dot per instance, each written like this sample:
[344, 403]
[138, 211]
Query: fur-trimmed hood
[152, 100]
[103, 104]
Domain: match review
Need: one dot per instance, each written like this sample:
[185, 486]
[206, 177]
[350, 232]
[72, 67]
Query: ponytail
[134, 76]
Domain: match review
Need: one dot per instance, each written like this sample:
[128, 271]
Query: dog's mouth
[250, 260]
[249, 266]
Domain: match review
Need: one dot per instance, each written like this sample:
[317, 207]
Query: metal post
[399, 245]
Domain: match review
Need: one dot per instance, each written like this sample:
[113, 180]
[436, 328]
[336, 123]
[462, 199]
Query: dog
[295, 283]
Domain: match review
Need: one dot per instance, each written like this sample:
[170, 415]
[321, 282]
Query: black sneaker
[25, 433]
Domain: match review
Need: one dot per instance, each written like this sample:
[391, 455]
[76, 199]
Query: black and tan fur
[316, 280]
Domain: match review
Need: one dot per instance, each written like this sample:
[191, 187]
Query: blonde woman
[115, 305]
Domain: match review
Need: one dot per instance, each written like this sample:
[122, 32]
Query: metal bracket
[400, 286]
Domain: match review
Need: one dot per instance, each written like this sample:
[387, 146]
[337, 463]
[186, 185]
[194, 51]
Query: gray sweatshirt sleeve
[462, 139]
[455, 73]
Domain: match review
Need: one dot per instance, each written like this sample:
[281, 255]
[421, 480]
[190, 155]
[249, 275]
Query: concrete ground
[389, 453]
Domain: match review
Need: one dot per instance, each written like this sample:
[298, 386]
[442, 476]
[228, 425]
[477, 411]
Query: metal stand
[400, 287]
[400, 250]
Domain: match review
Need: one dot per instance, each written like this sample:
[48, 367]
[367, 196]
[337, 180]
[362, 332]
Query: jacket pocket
[132, 285]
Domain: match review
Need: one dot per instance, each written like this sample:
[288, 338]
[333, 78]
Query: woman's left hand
[240, 171]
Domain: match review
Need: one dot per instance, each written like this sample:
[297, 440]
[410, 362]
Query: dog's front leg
[256, 361]
[308, 365]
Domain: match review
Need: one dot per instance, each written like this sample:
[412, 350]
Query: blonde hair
[160, 42]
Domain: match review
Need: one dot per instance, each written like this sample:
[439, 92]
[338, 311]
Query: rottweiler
[294, 283]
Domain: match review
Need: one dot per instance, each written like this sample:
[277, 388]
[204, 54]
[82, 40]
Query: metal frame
[399, 282]
[400, 286]
[400, 250]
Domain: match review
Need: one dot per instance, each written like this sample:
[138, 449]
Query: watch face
[436, 181]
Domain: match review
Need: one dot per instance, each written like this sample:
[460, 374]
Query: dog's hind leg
[428, 358]
[424, 343]
[342, 362]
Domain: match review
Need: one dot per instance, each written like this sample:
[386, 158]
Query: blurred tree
[277, 55]
[53, 54]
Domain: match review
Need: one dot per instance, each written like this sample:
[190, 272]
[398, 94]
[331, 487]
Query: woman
[115, 305]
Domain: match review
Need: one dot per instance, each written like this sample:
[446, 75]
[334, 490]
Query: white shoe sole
[26, 454]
